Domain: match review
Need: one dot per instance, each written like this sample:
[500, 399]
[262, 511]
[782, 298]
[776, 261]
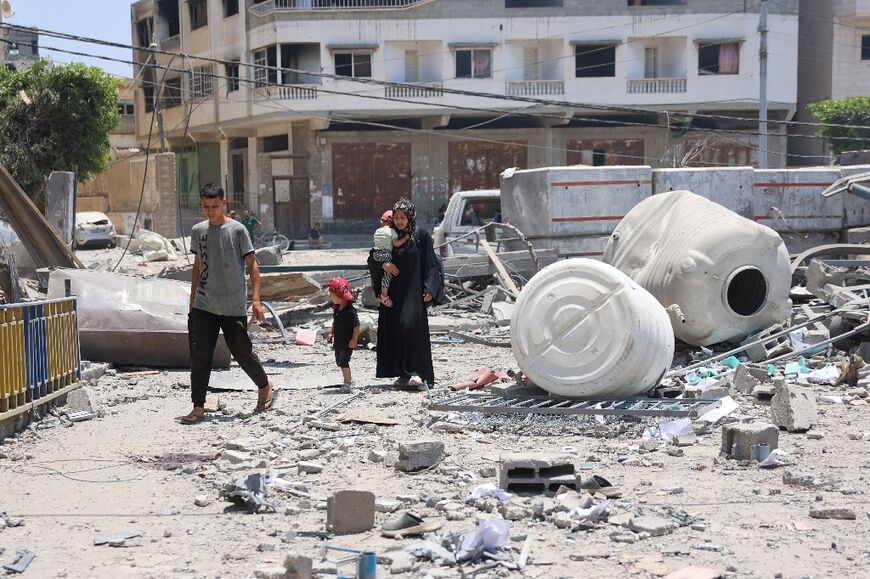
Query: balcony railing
[657, 86]
[419, 90]
[534, 87]
[272, 5]
[290, 92]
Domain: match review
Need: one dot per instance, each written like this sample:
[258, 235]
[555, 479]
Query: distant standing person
[315, 236]
[217, 301]
[250, 221]
[233, 215]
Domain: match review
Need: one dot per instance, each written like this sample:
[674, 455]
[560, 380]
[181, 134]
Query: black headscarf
[410, 212]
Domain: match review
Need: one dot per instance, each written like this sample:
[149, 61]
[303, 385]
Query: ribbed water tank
[729, 276]
[582, 328]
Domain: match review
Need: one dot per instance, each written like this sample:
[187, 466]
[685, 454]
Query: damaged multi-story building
[329, 110]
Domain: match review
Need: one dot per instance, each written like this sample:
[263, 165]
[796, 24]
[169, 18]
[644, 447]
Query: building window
[355, 64]
[532, 3]
[276, 144]
[125, 109]
[865, 47]
[474, 63]
[232, 74]
[594, 60]
[148, 94]
[231, 8]
[719, 58]
[172, 93]
[144, 30]
[266, 67]
[198, 13]
[201, 83]
[168, 12]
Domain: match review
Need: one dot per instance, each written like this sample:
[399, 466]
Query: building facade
[329, 110]
[834, 63]
[20, 47]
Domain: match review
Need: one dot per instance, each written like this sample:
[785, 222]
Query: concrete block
[502, 313]
[298, 566]
[743, 380]
[235, 457]
[737, 439]
[269, 256]
[79, 400]
[418, 455]
[350, 512]
[842, 514]
[655, 526]
[794, 408]
[93, 371]
[536, 474]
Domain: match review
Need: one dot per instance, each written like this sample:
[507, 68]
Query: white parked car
[94, 228]
[467, 211]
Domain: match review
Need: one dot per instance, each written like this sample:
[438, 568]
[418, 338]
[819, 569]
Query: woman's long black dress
[403, 330]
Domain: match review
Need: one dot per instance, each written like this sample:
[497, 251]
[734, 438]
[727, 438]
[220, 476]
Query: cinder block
[794, 408]
[769, 348]
[524, 474]
[419, 455]
[737, 439]
[350, 512]
[743, 380]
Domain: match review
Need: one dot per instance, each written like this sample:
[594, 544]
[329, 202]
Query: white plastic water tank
[729, 276]
[582, 328]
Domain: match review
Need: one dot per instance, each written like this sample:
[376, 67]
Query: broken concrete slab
[738, 439]
[269, 256]
[298, 566]
[502, 312]
[794, 408]
[287, 286]
[350, 511]
[655, 526]
[418, 455]
[131, 321]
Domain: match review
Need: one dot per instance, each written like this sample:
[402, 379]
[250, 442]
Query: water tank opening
[747, 291]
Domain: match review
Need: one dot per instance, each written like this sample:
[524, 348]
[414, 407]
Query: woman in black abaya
[404, 350]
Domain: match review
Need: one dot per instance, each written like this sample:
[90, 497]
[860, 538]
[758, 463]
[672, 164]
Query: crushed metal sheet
[488, 404]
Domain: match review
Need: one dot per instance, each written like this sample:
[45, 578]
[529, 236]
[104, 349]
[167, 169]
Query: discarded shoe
[408, 524]
[598, 484]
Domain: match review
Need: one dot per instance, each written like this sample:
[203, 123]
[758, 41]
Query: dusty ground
[66, 483]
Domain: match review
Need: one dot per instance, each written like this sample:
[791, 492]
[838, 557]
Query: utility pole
[762, 98]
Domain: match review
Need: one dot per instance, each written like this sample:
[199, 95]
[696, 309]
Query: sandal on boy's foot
[598, 484]
[192, 419]
[386, 301]
[408, 524]
[346, 388]
[267, 404]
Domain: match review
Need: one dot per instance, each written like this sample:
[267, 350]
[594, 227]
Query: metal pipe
[695, 366]
[857, 330]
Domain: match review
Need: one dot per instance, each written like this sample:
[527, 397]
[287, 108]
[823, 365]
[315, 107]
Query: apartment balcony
[287, 92]
[171, 44]
[657, 86]
[534, 87]
[417, 90]
[272, 5]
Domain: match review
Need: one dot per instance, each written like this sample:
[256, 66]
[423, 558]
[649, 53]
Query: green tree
[54, 118]
[853, 111]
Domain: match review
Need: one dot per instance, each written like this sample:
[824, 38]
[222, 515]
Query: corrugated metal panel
[476, 165]
[369, 177]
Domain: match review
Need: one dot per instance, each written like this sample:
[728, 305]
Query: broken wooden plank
[499, 266]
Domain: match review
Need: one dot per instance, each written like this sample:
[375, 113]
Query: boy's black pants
[203, 329]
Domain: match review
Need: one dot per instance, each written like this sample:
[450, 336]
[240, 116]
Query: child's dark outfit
[344, 320]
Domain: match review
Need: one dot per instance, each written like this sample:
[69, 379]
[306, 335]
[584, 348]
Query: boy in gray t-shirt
[217, 300]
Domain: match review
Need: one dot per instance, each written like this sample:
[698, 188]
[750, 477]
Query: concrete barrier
[572, 209]
[789, 200]
[731, 187]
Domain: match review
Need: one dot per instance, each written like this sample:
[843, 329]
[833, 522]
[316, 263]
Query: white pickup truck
[467, 211]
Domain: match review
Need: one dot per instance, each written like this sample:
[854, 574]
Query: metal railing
[656, 86]
[272, 5]
[534, 87]
[39, 349]
[418, 90]
[291, 92]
